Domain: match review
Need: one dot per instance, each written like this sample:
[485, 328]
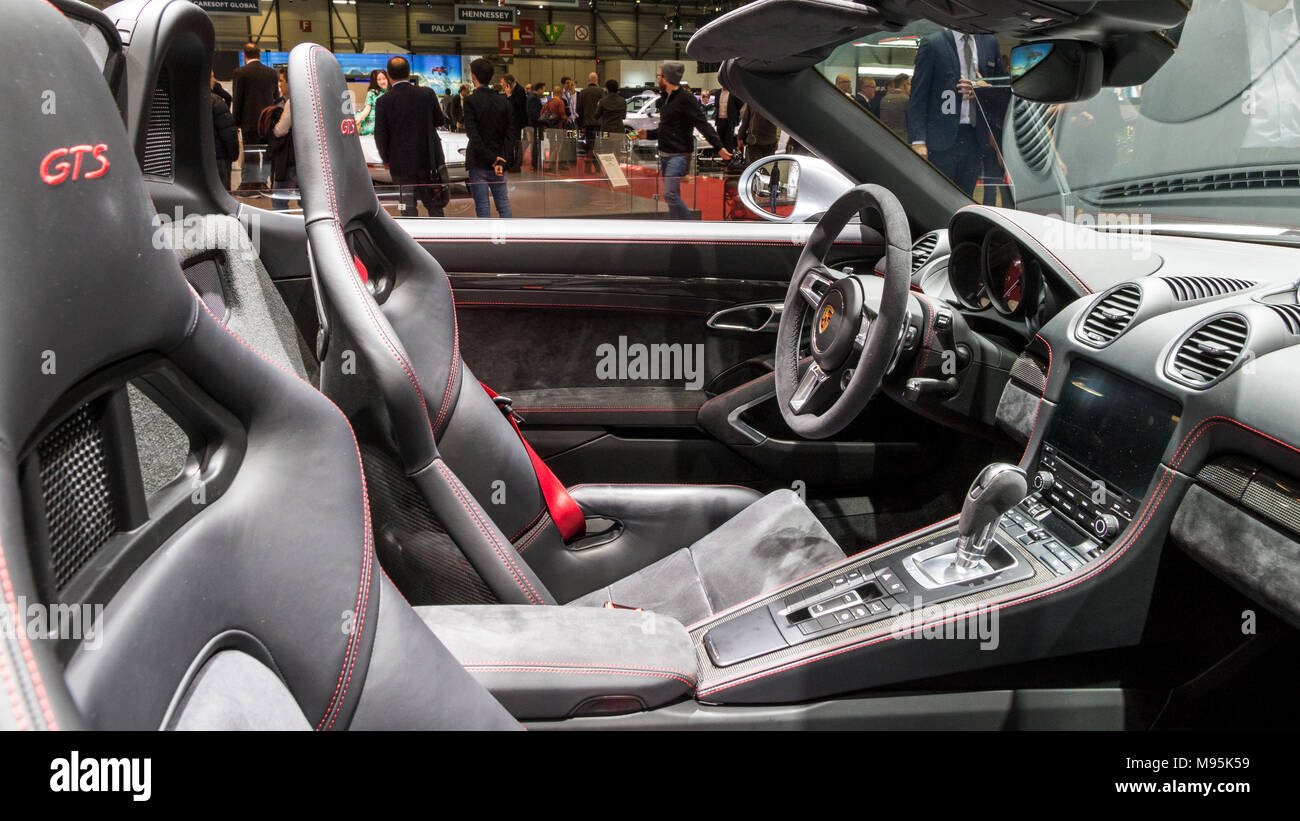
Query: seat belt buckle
[503, 402]
[609, 605]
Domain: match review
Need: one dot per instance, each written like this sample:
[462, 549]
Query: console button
[828, 621]
[808, 627]
[860, 612]
[1025, 539]
[854, 575]
[839, 581]
[876, 607]
[896, 587]
[817, 609]
[844, 617]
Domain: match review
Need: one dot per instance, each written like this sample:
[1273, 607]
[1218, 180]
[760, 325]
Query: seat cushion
[773, 541]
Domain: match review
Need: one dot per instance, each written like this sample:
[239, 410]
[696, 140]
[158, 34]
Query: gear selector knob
[995, 490]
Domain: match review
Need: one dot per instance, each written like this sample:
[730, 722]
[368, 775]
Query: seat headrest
[331, 165]
[85, 284]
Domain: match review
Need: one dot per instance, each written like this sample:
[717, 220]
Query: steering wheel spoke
[810, 385]
[814, 286]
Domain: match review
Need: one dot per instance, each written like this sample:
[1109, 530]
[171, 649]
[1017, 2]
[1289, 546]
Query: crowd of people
[935, 109]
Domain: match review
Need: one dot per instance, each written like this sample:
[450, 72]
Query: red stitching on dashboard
[1148, 513]
[1066, 268]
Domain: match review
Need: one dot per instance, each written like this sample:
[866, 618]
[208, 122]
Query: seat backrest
[388, 299]
[244, 591]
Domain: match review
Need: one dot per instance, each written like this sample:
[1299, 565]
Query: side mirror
[788, 188]
[1057, 71]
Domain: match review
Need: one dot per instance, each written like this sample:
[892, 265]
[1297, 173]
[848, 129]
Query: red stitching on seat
[367, 547]
[506, 561]
[455, 361]
[538, 529]
[15, 705]
[29, 659]
[367, 303]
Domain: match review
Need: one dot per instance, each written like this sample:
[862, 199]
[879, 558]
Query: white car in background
[453, 149]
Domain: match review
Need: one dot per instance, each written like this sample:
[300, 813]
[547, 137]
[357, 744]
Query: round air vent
[1109, 316]
[1209, 351]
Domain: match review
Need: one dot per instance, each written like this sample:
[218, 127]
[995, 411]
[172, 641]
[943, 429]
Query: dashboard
[1162, 367]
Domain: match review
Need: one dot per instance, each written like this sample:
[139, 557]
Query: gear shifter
[995, 491]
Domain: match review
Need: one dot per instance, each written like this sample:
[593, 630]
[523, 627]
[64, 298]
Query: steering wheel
[857, 322]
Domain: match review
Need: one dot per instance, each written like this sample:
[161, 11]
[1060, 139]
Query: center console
[1017, 535]
[1098, 456]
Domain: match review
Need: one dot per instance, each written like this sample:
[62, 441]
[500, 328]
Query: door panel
[599, 332]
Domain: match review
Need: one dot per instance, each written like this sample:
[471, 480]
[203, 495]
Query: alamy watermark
[676, 362]
[238, 236]
[37, 621]
[1109, 231]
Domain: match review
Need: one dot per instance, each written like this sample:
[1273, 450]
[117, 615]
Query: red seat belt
[568, 517]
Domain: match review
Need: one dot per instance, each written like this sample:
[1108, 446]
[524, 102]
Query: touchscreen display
[1113, 427]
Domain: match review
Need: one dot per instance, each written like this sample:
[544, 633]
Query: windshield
[1211, 143]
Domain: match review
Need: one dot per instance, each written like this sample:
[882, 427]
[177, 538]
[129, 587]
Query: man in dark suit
[488, 124]
[589, 113]
[403, 116]
[944, 121]
[726, 117]
[518, 117]
[255, 87]
[868, 96]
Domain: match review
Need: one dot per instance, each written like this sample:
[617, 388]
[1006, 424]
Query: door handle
[754, 317]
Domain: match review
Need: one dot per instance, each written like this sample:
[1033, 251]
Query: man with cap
[680, 116]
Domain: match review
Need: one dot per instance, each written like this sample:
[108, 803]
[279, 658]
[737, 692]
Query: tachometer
[1005, 272]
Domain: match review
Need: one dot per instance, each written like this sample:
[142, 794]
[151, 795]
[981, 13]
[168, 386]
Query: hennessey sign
[485, 14]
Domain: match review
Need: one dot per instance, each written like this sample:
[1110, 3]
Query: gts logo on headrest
[65, 163]
[348, 126]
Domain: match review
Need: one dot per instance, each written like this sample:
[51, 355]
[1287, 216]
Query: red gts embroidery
[348, 126]
[53, 173]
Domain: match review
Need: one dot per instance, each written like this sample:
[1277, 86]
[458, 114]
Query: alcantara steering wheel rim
[852, 350]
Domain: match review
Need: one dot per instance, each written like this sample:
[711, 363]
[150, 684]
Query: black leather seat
[387, 299]
[245, 592]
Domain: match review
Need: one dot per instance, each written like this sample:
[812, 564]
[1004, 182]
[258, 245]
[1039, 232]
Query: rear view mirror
[1057, 71]
[786, 188]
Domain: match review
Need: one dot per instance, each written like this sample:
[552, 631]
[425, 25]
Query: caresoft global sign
[243, 7]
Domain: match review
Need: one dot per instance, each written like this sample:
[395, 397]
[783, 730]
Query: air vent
[1110, 316]
[1222, 181]
[1290, 315]
[1033, 125]
[1194, 288]
[1209, 351]
[922, 250]
[159, 146]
